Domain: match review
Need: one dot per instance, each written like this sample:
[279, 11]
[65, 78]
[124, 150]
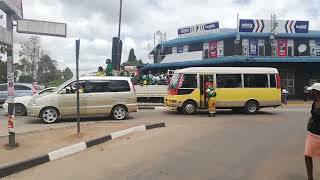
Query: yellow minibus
[238, 88]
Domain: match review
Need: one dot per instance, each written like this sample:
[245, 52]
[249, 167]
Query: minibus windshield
[174, 81]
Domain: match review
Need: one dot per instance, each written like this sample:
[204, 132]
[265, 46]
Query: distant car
[21, 103]
[21, 89]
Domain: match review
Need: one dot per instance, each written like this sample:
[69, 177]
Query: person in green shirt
[109, 69]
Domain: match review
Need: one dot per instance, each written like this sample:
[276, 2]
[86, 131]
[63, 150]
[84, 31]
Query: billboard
[282, 47]
[213, 52]
[12, 7]
[198, 29]
[283, 26]
[42, 27]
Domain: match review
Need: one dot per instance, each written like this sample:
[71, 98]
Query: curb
[151, 107]
[69, 150]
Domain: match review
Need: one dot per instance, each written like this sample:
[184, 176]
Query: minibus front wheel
[189, 107]
[251, 107]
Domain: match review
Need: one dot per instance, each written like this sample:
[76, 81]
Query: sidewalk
[37, 143]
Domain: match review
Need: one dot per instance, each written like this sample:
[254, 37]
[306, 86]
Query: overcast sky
[95, 22]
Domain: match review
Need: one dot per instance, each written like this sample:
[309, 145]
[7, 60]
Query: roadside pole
[77, 76]
[10, 87]
[119, 35]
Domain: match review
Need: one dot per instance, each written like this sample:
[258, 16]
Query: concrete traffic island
[72, 149]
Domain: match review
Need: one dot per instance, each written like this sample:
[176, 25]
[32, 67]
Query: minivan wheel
[49, 115]
[189, 108]
[119, 112]
[251, 107]
[20, 110]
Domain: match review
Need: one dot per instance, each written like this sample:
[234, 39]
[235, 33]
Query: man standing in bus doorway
[211, 94]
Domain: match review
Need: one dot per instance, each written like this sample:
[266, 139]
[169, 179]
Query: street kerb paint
[70, 150]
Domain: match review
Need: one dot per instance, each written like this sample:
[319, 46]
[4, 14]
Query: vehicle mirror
[63, 91]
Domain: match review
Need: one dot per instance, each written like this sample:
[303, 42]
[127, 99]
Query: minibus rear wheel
[189, 108]
[251, 107]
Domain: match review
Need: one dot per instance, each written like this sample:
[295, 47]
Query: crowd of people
[150, 78]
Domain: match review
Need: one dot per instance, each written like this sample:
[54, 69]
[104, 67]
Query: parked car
[99, 95]
[21, 103]
[21, 89]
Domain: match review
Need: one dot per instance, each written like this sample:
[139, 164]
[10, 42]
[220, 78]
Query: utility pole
[119, 33]
[10, 86]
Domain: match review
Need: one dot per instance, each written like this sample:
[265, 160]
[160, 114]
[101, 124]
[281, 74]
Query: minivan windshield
[62, 85]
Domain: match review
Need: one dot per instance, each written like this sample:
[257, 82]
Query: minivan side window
[96, 87]
[255, 80]
[118, 86]
[3, 87]
[20, 87]
[229, 81]
[273, 83]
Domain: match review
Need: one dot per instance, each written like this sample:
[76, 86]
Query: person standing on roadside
[285, 94]
[109, 69]
[312, 146]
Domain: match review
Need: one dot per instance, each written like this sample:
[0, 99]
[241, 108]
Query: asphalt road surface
[266, 146]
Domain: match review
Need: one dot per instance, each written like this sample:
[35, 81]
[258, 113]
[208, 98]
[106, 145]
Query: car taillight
[278, 81]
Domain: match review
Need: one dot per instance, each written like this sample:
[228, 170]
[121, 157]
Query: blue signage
[301, 26]
[246, 25]
[253, 49]
[184, 31]
[211, 26]
[199, 29]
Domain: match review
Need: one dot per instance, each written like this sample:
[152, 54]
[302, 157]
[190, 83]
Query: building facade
[290, 47]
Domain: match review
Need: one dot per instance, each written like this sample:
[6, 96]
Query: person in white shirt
[285, 94]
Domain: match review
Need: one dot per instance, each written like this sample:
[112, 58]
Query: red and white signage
[282, 47]
[213, 45]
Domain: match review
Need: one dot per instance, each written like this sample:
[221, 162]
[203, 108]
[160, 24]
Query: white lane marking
[67, 151]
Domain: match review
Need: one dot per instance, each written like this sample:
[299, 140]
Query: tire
[189, 108]
[251, 107]
[180, 110]
[119, 112]
[20, 110]
[49, 115]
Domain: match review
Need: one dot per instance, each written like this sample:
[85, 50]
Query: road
[266, 146]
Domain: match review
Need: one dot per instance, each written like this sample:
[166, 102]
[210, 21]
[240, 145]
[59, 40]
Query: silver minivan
[99, 95]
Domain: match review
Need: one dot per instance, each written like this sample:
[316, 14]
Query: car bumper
[132, 107]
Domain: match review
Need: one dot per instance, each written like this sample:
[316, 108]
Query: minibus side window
[229, 81]
[188, 84]
[273, 83]
[256, 80]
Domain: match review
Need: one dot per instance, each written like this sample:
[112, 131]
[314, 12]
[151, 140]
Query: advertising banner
[282, 47]
[213, 49]
[253, 49]
[283, 26]
[220, 47]
[198, 29]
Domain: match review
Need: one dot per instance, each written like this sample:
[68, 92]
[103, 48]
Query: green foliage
[132, 60]
[56, 82]
[67, 74]
[47, 70]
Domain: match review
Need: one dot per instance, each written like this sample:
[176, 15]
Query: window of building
[180, 49]
[21, 88]
[196, 47]
[189, 81]
[255, 80]
[273, 82]
[229, 81]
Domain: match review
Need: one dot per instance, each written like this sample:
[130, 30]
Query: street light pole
[10, 86]
[119, 33]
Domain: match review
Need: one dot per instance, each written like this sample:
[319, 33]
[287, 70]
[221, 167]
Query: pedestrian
[100, 71]
[285, 94]
[211, 94]
[312, 146]
[109, 69]
[306, 93]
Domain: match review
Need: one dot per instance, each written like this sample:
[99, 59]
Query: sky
[95, 22]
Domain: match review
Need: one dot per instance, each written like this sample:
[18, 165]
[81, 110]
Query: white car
[21, 103]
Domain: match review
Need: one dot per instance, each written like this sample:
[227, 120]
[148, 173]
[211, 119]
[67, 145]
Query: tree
[29, 52]
[47, 70]
[132, 57]
[67, 74]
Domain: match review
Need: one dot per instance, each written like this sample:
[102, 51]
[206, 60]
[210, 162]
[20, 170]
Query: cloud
[95, 22]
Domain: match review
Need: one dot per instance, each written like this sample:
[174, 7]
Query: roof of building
[233, 59]
[229, 70]
[233, 33]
